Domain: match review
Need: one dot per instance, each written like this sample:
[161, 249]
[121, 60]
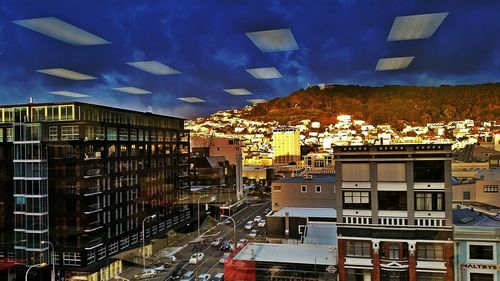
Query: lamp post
[143, 240]
[234, 229]
[53, 261]
[203, 196]
[43, 264]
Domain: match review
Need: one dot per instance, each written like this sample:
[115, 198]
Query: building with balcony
[84, 177]
[394, 212]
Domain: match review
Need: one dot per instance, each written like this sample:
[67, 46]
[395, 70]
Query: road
[210, 264]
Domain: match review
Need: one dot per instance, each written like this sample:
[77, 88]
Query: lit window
[491, 188]
[70, 132]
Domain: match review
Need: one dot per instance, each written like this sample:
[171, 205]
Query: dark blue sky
[339, 42]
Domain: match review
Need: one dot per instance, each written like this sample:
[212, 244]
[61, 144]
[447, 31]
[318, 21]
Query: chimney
[253, 254]
[31, 100]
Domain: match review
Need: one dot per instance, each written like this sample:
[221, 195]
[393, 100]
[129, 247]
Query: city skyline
[209, 54]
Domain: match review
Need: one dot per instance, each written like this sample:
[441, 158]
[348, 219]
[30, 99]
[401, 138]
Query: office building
[85, 177]
[394, 212]
[482, 190]
[230, 148]
[286, 146]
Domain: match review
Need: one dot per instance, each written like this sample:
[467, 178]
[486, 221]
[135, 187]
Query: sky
[206, 41]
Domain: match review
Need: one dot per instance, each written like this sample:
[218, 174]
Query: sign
[331, 269]
[481, 266]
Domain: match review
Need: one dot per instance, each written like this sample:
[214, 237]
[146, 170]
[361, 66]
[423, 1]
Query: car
[242, 243]
[226, 221]
[145, 274]
[253, 233]
[266, 211]
[249, 225]
[218, 277]
[217, 242]
[224, 257]
[177, 272]
[188, 276]
[171, 259]
[257, 218]
[159, 268]
[262, 223]
[226, 245]
[196, 257]
[204, 277]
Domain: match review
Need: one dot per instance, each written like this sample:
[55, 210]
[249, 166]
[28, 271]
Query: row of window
[394, 200]
[364, 274]
[423, 171]
[317, 188]
[396, 250]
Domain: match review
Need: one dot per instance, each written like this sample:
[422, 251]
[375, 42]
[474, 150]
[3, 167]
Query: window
[357, 200]
[276, 188]
[111, 134]
[429, 201]
[318, 188]
[395, 172]
[53, 133]
[357, 274]
[123, 134]
[301, 229]
[428, 171]
[481, 252]
[430, 252]
[359, 248]
[492, 188]
[71, 258]
[393, 275]
[392, 200]
[356, 172]
[481, 277]
[430, 276]
[69, 133]
[303, 188]
[466, 195]
[393, 251]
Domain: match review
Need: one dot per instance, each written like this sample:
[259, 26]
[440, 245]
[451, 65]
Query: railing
[92, 173]
[94, 207]
[92, 190]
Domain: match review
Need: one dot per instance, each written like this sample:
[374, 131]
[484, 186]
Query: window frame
[316, 188]
[303, 189]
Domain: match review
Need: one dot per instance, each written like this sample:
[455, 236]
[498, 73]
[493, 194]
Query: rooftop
[286, 253]
[306, 212]
[316, 178]
[469, 217]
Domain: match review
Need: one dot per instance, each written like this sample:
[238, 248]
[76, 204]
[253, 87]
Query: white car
[249, 225]
[242, 243]
[195, 258]
[219, 277]
[204, 277]
[217, 242]
[160, 268]
[224, 257]
[146, 273]
[188, 276]
[254, 233]
[262, 223]
[257, 218]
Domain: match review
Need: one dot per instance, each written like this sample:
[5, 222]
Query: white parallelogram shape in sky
[191, 99]
[69, 94]
[393, 63]
[276, 40]
[66, 73]
[256, 101]
[154, 67]
[63, 31]
[132, 90]
[238, 92]
[415, 27]
[264, 73]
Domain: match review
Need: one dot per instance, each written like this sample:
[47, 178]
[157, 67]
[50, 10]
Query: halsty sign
[481, 266]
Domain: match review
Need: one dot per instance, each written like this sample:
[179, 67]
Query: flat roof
[316, 178]
[469, 217]
[306, 212]
[287, 253]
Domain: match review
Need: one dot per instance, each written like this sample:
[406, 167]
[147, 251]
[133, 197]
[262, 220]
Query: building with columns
[394, 212]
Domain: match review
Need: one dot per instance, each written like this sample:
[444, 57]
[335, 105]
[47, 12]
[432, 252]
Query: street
[210, 263]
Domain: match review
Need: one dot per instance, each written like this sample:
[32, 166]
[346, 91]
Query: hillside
[395, 105]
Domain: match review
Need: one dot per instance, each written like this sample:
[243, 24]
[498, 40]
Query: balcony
[91, 244]
[92, 156]
[93, 190]
[91, 173]
[95, 225]
[93, 208]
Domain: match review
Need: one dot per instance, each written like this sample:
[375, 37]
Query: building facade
[84, 178]
[394, 212]
[231, 149]
[286, 146]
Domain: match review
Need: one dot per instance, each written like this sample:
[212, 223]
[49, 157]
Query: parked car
[188, 276]
[159, 267]
[146, 273]
[262, 223]
[224, 257]
[253, 233]
[242, 243]
[226, 246]
[204, 277]
[218, 277]
[257, 218]
[196, 257]
[249, 225]
[217, 242]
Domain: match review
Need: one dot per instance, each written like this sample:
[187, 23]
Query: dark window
[393, 275]
[392, 200]
[355, 274]
[359, 248]
[430, 276]
[481, 277]
[430, 252]
[429, 201]
[428, 171]
[491, 188]
[481, 252]
[357, 200]
[466, 195]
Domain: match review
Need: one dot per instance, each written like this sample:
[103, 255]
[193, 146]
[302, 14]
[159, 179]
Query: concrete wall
[291, 195]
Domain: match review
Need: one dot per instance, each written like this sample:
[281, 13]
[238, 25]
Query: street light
[53, 261]
[143, 240]
[212, 199]
[234, 229]
[43, 264]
